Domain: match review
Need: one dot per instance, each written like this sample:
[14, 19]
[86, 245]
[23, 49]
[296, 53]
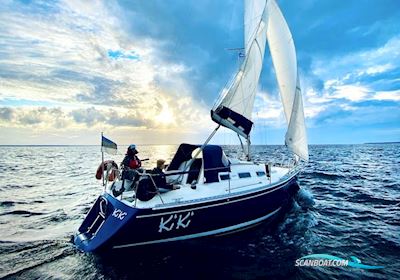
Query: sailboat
[213, 194]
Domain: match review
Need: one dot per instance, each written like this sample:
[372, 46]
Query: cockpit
[197, 165]
[191, 164]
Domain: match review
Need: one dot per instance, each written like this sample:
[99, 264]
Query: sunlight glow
[166, 116]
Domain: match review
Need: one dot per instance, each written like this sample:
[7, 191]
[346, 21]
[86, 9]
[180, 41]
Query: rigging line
[241, 143]
[265, 131]
[234, 49]
[258, 17]
[229, 85]
[244, 64]
[202, 147]
[259, 23]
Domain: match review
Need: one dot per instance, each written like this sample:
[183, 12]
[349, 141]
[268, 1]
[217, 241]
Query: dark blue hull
[112, 224]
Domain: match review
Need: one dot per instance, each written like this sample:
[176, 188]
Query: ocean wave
[24, 256]
[350, 205]
[13, 186]
[305, 198]
[326, 175]
[55, 217]
[24, 213]
[371, 199]
[9, 203]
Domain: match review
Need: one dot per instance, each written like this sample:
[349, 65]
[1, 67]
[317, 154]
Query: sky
[148, 72]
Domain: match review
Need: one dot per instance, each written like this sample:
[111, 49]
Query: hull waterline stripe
[212, 205]
[239, 230]
[202, 234]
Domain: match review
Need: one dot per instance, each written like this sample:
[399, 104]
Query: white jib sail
[240, 94]
[284, 59]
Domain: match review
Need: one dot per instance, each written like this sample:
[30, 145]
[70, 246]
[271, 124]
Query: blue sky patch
[120, 54]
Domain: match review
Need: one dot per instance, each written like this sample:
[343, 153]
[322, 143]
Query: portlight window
[244, 175]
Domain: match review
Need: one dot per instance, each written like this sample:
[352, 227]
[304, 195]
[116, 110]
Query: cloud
[349, 82]
[387, 95]
[355, 65]
[157, 67]
[32, 117]
[268, 110]
[193, 35]
[64, 118]
[89, 116]
[73, 54]
[349, 92]
[6, 114]
[346, 81]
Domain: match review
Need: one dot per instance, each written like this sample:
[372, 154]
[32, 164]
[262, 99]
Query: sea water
[348, 205]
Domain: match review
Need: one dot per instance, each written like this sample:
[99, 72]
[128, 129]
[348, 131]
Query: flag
[108, 146]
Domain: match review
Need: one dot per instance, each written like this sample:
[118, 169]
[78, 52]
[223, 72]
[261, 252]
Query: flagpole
[102, 159]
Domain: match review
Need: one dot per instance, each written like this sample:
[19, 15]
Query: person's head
[161, 164]
[132, 150]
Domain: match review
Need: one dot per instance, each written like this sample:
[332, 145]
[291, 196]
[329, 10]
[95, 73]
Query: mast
[235, 105]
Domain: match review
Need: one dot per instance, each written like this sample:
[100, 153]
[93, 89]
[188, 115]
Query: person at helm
[130, 167]
[131, 160]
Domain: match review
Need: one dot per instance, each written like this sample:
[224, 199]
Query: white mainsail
[285, 63]
[238, 97]
[263, 20]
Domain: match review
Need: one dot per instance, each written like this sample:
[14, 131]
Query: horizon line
[97, 145]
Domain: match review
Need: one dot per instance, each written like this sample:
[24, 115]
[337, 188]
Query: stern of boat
[106, 217]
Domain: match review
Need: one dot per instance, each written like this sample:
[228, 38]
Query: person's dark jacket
[160, 179]
[130, 166]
